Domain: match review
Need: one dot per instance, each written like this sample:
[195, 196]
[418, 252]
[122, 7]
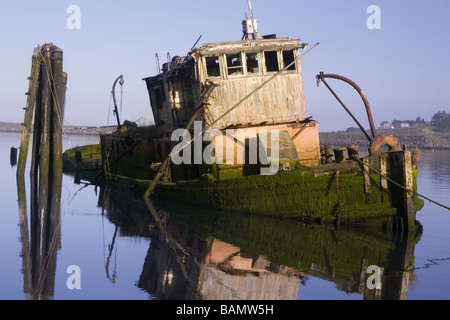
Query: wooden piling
[37, 120]
[29, 110]
[59, 81]
[45, 100]
[59, 91]
[45, 134]
[46, 97]
[403, 197]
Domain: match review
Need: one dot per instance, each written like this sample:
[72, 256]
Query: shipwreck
[250, 144]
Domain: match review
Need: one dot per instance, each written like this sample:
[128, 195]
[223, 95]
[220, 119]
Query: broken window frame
[292, 68]
[258, 61]
[230, 68]
[218, 58]
[277, 64]
[281, 55]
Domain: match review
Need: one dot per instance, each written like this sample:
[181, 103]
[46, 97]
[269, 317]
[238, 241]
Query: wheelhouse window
[234, 64]
[288, 58]
[252, 62]
[271, 61]
[213, 66]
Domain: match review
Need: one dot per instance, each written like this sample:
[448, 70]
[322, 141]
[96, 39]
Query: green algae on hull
[334, 192]
[294, 193]
[90, 156]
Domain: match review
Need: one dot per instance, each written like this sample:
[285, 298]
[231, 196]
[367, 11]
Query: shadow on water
[202, 254]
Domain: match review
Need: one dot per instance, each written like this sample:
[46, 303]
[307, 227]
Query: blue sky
[401, 67]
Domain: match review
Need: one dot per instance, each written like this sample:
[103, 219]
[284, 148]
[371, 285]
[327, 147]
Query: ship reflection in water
[200, 254]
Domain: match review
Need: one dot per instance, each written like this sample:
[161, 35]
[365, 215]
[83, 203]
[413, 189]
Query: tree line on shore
[440, 120]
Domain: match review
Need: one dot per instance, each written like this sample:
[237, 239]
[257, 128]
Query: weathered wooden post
[47, 103]
[59, 87]
[46, 99]
[29, 110]
[403, 197]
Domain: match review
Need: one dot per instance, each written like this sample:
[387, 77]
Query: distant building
[404, 125]
[386, 125]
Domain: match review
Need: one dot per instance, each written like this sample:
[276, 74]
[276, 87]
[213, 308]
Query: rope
[403, 187]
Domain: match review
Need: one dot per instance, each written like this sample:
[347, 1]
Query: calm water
[122, 253]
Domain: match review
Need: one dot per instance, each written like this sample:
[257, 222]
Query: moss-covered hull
[85, 158]
[346, 192]
[333, 197]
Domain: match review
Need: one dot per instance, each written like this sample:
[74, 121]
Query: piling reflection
[41, 240]
[202, 254]
[45, 104]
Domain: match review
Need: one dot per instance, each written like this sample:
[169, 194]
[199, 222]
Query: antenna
[250, 9]
[250, 25]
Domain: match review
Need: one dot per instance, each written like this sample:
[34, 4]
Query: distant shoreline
[422, 137]
[83, 130]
